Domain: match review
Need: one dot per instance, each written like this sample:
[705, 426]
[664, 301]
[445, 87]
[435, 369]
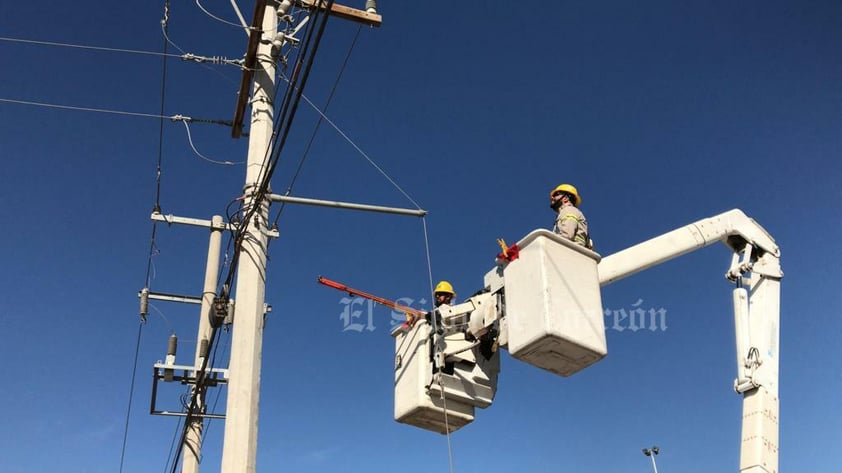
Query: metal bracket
[185, 375]
[170, 297]
[740, 263]
[197, 222]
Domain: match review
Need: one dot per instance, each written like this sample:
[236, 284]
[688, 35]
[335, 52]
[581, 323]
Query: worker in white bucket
[570, 221]
[443, 294]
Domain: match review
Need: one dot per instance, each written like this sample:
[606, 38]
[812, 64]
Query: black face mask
[556, 204]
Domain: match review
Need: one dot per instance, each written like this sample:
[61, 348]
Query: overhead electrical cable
[201, 59]
[80, 46]
[218, 392]
[184, 55]
[83, 109]
[152, 245]
[131, 396]
[298, 92]
[282, 127]
[198, 391]
[173, 118]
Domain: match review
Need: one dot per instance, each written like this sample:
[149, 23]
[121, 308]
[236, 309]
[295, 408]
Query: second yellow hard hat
[444, 286]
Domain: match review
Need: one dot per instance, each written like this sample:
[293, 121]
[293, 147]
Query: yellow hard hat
[444, 286]
[570, 190]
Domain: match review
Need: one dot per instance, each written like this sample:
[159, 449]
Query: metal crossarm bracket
[171, 297]
[347, 205]
[197, 222]
[185, 375]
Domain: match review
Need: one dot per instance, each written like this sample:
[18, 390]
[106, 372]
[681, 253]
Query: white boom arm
[732, 227]
[756, 269]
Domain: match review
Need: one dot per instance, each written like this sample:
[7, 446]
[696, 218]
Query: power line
[281, 130]
[80, 46]
[185, 55]
[159, 168]
[174, 118]
[131, 396]
[83, 109]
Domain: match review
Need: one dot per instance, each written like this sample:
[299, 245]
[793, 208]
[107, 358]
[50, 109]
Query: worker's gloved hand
[510, 254]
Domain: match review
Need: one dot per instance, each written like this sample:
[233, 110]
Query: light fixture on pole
[651, 453]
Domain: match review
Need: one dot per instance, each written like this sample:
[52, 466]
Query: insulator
[284, 7]
[144, 303]
[229, 317]
[172, 345]
[371, 6]
[203, 348]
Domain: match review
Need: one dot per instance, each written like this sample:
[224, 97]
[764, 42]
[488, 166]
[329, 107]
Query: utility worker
[443, 293]
[570, 222]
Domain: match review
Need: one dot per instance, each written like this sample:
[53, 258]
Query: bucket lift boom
[545, 307]
[755, 268]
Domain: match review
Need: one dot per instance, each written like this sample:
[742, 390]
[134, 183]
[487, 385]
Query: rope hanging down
[434, 322]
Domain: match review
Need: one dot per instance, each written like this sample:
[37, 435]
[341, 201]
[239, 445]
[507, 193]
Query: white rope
[446, 424]
[190, 139]
[359, 150]
[434, 323]
[167, 38]
[223, 21]
[166, 320]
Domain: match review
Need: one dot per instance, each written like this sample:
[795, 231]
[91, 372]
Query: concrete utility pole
[193, 438]
[239, 452]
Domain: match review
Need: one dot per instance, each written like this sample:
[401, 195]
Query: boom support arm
[733, 228]
[755, 268]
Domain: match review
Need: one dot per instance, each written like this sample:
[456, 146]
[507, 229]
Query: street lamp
[651, 453]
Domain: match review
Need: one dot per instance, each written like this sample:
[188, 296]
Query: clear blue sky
[660, 112]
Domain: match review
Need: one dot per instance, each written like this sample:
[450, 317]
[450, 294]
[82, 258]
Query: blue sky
[661, 114]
